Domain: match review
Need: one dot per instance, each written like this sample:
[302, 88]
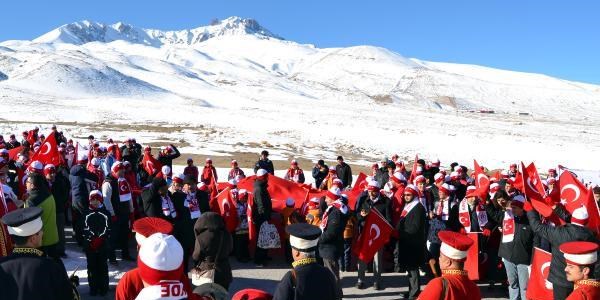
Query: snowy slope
[235, 82]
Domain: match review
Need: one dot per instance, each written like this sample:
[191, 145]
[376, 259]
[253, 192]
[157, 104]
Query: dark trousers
[413, 283]
[97, 270]
[60, 225]
[240, 246]
[334, 267]
[120, 235]
[287, 248]
[78, 226]
[346, 259]
[561, 292]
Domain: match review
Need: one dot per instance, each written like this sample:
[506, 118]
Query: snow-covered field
[236, 87]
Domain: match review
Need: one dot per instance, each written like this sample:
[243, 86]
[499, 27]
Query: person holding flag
[411, 239]
[581, 259]
[373, 200]
[557, 235]
[454, 283]
[518, 240]
[331, 242]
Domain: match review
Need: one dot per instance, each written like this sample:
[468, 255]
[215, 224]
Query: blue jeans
[517, 275]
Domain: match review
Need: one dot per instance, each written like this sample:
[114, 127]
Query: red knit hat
[252, 294]
[49, 169]
[454, 245]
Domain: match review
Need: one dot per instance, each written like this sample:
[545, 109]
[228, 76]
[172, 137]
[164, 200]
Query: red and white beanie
[148, 226]
[338, 182]
[234, 163]
[36, 167]
[373, 186]
[332, 169]
[439, 177]
[412, 189]
[398, 178]
[160, 258]
[166, 171]
[49, 169]
[580, 253]
[116, 167]
[454, 245]
[314, 202]
[202, 186]
[471, 191]
[96, 195]
[334, 193]
[580, 216]
[95, 162]
[454, 175]
[446, 189]
[178, 178]
[419, 179]
[494, 187]
[262, 173]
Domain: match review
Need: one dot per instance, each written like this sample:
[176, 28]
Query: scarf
[442, 210]
[192, 204]
[124, 190]
[167, 207]
[408, 207]
[337, 204]
[465, 217]
[294, 174]
[508, 226]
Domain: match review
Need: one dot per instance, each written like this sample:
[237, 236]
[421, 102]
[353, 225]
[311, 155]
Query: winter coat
[60, 191]
[191, 171]
[211, 235]
[299, 173]
[383, 206]
[264, 164]
[262, 202]
[520, 250]
[80, 178]
[411, 240]
[319, 175]
[331, 242]
[344, 173]
[43, 199]
[96, 227]
[556, 236]
[167, 159]
[131, 155]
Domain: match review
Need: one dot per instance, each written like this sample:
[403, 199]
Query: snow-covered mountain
[235, 72]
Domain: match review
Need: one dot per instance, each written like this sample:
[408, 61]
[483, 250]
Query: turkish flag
[227, 209]
[375, 234]
[593, 213]
[361, 179]
[413, 172]
[573, 194]
[252, 230]
[279, 190]
[48, 152]
[519, 181]
[150, 164]
[472, 262]
[532, 184]
[482, 182]
[539, 288]
[13, 153]
[359, 186]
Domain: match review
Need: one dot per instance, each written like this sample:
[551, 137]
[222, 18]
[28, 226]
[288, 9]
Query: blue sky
[557, 38]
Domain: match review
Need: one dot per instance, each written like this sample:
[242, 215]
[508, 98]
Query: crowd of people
[106, 191]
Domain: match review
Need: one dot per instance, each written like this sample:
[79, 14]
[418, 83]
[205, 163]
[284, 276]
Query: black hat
[189, 179]
[304, 237]
[265, 152]
[340, 157]
[24, 221]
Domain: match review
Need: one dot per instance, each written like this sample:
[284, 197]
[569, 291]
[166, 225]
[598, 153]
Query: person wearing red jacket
[581, 258]
[235, 172]
[209, 173]
[294, 173]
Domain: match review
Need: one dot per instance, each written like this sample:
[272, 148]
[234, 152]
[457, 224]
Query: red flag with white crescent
[539, 288]
[150, 164]
[573, 194]
[482, 181]
[227, 209]
[374, 236]
[48, 152]
[413, 172]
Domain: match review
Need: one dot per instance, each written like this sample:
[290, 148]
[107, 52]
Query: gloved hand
[487, 232]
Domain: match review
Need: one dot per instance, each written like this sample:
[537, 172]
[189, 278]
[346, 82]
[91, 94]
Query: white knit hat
[580, 216]
[160, 258]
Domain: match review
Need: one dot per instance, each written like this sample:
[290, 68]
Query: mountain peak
[86, 31]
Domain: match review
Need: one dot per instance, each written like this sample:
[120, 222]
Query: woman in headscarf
[213, 245]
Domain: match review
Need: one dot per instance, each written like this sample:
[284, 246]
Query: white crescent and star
[377, 231]
[47, 147]
[573, 187]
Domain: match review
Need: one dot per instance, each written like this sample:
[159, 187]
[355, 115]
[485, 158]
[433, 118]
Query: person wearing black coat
[516, 248]
[130, 154]
[331, 242]
[96, 235]
[574, 231]
[261, 211]
[319, 172]
[411, 239]
[344, 172]
[156, 201]
[60, 187]
[372, 200]
[167, 156]
[264, 163]
[213, 245]
[80, 179]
